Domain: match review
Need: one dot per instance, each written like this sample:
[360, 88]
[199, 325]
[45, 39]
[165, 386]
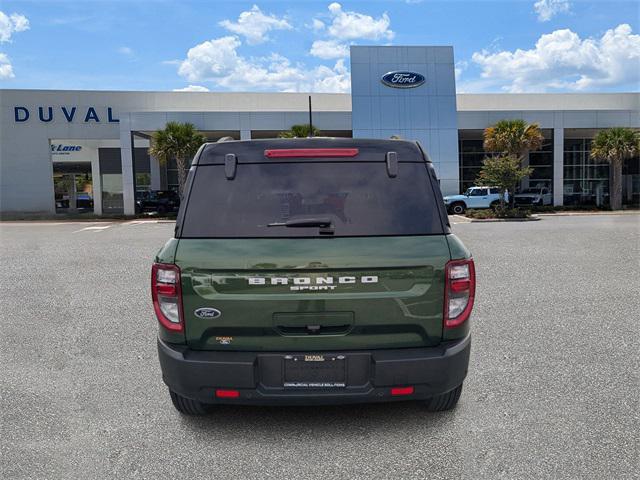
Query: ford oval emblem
[402, 79]
[207, 312]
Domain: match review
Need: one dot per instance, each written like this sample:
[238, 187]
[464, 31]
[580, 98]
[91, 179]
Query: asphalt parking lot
[552, 392]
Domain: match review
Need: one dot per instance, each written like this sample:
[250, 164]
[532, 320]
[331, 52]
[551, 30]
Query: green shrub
[513, 213]
[488, 213]
[543, 208]
[499, 212]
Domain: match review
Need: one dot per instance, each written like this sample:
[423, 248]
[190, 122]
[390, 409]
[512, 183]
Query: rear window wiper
[323, 223]
[303, 222]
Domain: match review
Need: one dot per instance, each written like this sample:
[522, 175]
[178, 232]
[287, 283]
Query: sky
[499, 46]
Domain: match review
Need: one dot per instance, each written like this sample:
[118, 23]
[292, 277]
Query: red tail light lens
[227, 393]
[398, 391]
[167, 296]
[311, 152]
[459, 291]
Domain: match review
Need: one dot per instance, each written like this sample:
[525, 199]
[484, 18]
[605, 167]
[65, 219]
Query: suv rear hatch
[312, 245]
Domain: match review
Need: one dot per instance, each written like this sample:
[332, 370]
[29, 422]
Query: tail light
[459, 292]
[167, 297]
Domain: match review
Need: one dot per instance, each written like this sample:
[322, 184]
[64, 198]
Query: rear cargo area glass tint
[359, 198]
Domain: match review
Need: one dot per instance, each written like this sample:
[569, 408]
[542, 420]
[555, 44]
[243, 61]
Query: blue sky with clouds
[500, 46]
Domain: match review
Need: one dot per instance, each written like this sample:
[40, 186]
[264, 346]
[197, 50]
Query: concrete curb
[87, 220]
[577, 214]
[495, 220]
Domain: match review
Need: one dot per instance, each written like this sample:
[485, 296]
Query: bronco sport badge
[308, 283]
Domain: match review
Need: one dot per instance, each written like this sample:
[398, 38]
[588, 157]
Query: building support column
[245, 134]
[525, 163]
[558, 166]
[126, 157]
[96, 184]
[154, 170]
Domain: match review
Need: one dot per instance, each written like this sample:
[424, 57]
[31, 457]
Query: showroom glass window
[586, 181]
[472, 154]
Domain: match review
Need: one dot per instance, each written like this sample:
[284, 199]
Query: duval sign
[47, 114]
[402, 79]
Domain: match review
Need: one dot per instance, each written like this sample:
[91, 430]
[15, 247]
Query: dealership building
[71, 151]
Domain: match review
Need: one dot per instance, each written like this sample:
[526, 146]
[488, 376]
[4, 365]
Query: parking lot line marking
[456, 219]
[139, 222]
[30, 223]
[94, 228]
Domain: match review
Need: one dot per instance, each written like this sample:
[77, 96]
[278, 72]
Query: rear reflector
[311, 152]
[163, 289]
[227, 393]
[397, 391]
[458, 286]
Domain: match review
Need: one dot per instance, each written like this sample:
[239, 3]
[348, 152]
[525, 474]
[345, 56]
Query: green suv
[313, 271]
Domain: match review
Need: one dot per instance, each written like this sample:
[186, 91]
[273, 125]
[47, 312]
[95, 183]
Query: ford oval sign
[402, 79]
[207, 312]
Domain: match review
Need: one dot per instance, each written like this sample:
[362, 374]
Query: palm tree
[299, 131]
[514, 139]
[614, 146]
[177, 140]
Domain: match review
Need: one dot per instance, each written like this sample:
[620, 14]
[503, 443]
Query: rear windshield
[359, 198]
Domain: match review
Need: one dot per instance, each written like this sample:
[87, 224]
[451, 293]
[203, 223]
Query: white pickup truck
[474, 197]
[534, 196]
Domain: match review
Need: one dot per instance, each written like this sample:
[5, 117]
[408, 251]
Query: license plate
[315, 371]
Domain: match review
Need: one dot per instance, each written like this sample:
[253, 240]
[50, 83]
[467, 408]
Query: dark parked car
[160, 201]
[84, 201]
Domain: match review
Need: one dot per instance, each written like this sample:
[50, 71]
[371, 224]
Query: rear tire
[186, 406]
[446, 401]
[458, 208]
[494, 205]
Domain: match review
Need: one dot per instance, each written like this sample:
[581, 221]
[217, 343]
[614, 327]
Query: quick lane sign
[47, 114]
[61, 149]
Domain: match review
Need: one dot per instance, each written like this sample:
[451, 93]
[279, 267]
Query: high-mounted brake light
[459, 291]
[167, 296]
[311, 152]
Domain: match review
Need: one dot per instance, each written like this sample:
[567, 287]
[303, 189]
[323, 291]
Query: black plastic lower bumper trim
[258, 376]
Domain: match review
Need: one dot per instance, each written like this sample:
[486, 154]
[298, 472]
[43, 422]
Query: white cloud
[211, 59]
[10, 24]
[317, 25]
[547, 9]
[331, 80]
[218, 61]
[192, 88]
[460, 67]
[347, 26]
[562, 60]
[254, 25]
[329, 49]
[353, 25]
[127, 51]
[6, 69]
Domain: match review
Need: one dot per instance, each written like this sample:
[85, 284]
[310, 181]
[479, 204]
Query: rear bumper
[258, 375]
